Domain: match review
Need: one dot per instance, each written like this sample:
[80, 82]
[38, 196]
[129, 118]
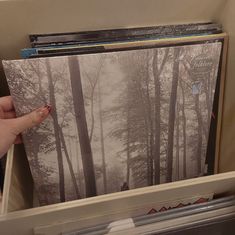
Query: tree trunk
[128, 147]
[177, 170]
[93, 82]
[69, 164]
[149, 157]
[92, 115]
[207, 85]
[128, 135]
[208, 101]
[157, 115]
[149, 117]
[80, 177]
[157, 71]
[171, 123]
[147, 130]
[199, 145]
[102, 138]
[56, 131]
[184, 133]
[79, 109]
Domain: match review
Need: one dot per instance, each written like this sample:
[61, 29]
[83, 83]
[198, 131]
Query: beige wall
[21, 17]
[227, 150]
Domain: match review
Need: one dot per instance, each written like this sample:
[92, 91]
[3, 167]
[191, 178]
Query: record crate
[20, 213]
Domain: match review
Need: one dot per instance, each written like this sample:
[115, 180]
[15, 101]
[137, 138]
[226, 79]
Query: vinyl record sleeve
[125, 34]
[121, 119]
[93, 41]
[99, 47]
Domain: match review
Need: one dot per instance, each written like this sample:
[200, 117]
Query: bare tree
[102, 137]
[199, 129]
[157, 101]
[69, 163]
[171, 122]
[128, 153]
[79, 109]
[184, 131]
[177, 139]
[56, 130]
[93, 81]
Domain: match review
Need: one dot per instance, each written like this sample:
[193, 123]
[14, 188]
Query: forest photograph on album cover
[121, 120]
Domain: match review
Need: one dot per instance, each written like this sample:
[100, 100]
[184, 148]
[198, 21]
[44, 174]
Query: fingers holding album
[29, 120]
[11, 128]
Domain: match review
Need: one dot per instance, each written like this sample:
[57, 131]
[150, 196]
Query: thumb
[30, 120]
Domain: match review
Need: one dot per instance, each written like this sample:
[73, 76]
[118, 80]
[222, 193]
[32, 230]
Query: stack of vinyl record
[154, 223]
[132, 107]
[56, 44]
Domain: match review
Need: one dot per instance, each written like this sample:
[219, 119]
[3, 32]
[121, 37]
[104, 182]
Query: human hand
[11, 127]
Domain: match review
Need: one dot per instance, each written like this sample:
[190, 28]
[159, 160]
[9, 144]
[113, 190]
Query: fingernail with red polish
[48, 107]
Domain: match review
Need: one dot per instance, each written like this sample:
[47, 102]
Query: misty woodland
[120, 120]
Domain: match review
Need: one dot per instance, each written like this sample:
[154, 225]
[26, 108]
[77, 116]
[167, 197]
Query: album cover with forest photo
[121, 120]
